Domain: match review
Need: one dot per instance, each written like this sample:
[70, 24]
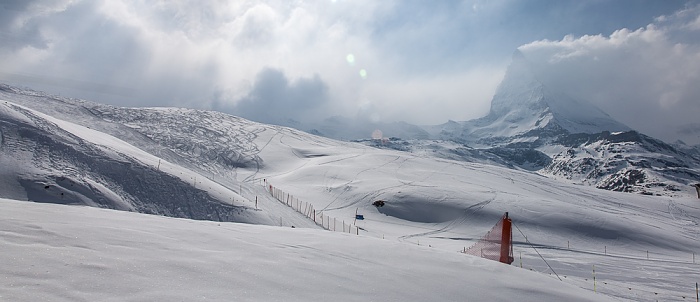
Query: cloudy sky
[423, 62]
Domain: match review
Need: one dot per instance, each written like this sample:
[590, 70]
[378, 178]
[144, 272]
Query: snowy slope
[47, 159]
[59, 253]
[444, 204]
[53, 160]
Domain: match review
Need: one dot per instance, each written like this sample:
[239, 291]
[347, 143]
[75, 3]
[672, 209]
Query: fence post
[594, 288]
[521, 258]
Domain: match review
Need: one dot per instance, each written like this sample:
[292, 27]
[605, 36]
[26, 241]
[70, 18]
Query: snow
[62, 253]
[407, 250]
[522, 103]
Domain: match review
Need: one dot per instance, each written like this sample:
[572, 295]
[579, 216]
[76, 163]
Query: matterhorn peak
[519, 90]
[523, 103]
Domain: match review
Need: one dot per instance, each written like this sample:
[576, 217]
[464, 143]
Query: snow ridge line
[307, 209]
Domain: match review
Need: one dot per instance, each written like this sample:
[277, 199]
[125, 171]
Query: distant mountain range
[535, 127]
[530, 126]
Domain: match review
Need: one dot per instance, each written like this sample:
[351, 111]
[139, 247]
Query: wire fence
[327, 222]
[637, 289]
[616, 288]
[634, 291]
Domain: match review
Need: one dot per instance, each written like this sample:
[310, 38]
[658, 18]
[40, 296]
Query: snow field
[434, 207]
[548, 212]
[67, 253]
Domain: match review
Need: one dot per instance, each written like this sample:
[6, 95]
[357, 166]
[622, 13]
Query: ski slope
[62, 253]
[433, 206]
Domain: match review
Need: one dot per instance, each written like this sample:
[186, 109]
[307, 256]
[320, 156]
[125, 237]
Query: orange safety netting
[496, 244]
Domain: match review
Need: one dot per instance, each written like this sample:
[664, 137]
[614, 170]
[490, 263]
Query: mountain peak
[519, 90]
[523, 102]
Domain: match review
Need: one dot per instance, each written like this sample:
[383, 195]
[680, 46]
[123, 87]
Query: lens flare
[363, 73]
[377, 134]
[350, 58]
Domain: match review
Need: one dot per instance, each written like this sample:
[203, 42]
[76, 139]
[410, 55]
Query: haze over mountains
[524, 107]
[530, 126]
[522, 103]
[533, 126]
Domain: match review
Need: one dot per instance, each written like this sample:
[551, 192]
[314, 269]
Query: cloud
[646, 77]
[207, 54]
[274, 99]
[20, 22]
[418, 61]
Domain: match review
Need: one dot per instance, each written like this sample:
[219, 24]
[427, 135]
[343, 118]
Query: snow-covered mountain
[523, 103]
[525, 108]
[213, 166]
[626, 162]
[534, 127]
[46, 159]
